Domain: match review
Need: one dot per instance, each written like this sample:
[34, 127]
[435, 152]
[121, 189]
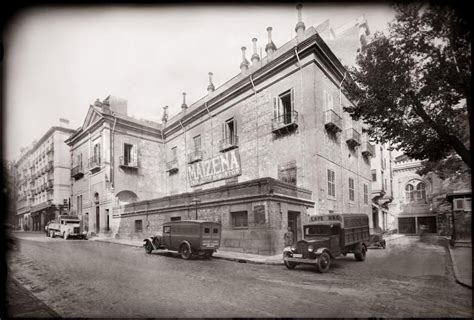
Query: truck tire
[148, 247]
[360, 254]
[323, 262]
[185, 251]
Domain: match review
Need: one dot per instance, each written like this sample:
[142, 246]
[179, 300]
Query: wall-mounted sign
[221, 166]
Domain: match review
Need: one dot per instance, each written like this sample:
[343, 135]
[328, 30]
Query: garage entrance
[427, 225]
[407, 225]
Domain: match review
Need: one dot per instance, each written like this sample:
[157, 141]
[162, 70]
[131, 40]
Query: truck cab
[65, 226]
[327, 237]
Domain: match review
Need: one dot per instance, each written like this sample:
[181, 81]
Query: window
[374, 175]
[328, 101]
[166, 229]
[229, 131]
[79, 159]
[215, 230]
[420, 193]
[197, 143]
[351, 190]
[409, 194]
[97, 152]
[366, 194]
[138, 226]
[283, 106]
[129, 154]
[331, 183]
[287, 172]
[239, 219]
[207, 230]
[174, 151]
[259, 214]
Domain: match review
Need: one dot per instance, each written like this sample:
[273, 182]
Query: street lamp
[196, 202]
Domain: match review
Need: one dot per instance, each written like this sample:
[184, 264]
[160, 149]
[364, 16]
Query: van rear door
[211, 235]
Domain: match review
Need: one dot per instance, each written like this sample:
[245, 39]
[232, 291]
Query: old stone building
[420, 202]
[263, 151]
[43, 172]
[115, 159]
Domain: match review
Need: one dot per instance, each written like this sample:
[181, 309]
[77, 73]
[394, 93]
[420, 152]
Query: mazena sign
[222, 166]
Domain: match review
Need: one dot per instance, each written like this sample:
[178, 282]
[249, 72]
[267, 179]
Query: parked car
[328, 237]
[188, 237]
[376, 239]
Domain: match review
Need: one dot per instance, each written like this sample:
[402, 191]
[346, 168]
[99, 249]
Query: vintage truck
[327, 237]
[188, 237]
[65, 226]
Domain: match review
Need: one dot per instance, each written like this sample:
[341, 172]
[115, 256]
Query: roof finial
[255, 56]
[300, 27]
[270, 47]
[164, 119]
[184, 106]
[210, 87]
[245, 63]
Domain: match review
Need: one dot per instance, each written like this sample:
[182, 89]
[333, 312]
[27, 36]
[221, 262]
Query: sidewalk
[220, 254]
[462, 264]
[20, 303]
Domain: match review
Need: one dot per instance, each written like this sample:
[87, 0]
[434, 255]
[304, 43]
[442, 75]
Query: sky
[59, 60]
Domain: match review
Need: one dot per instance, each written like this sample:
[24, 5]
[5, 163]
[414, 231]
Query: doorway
[293, 223]
[97, 219]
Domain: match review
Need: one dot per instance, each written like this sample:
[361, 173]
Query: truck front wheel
[360, 254]
[148, 247]
[290, 265]
[323, 262]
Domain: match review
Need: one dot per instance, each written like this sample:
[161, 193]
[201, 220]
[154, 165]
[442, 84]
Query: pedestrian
[288, 237]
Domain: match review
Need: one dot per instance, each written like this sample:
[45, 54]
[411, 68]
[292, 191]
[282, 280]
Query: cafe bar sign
[222, 166]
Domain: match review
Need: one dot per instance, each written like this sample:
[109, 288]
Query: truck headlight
[293, 248]
[310, 248]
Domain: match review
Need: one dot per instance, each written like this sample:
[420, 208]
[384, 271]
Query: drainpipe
[112, 162]
[256, 124]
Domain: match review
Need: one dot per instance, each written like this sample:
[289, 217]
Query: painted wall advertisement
[221, 166]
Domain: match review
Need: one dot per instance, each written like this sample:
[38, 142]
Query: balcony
[332, 121]
[286, 122]
[368, 149]
[195, 156]
[172, 166]
[94, 163]
[50, 184]
[50, 149]
[352, 137]
[50, 166]
[77, 172]
[127, 163]
[229, 143]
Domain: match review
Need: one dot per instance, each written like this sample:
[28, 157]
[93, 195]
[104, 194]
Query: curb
[51, 313]
[240, 260]
[456, 270]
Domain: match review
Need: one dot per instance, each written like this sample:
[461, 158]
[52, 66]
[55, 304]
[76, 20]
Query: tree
[412, 86]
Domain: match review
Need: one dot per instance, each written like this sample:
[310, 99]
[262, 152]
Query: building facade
[115, 159]
[280, 119]
[43, 173]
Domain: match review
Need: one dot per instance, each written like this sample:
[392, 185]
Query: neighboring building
[420, 201]
[460, 221]
[382, 188]
[263, 152]
[115, 159]
[43, 173]
[10, 191]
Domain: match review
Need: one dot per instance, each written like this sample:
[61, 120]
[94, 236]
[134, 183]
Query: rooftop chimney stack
[300, 27]
[255, 57]
[184, 106]
[245, 63]
[210, 87]
[164, 119]
[270, 47]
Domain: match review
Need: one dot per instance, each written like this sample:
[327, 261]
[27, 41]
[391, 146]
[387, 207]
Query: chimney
[164, 119]
[255, 56]
[270, 47]
[300, 27]
[184, 106]
[210, 87]
[245, 63]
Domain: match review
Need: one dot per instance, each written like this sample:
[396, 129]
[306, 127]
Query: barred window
[366, 194]
[331, 183]
[351, 190]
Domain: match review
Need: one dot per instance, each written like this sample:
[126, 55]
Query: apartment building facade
[43, 173]
[115, 159]
[279, 125]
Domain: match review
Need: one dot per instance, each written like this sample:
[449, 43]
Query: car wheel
[148, 247]
[360, 254]
[323, 262]
[185, 251]
[290, 265]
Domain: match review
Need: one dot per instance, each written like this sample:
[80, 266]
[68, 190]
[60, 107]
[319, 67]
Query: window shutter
[276, 107]
[224, 125]
[134, 155]
[234, 124]
[292, 95]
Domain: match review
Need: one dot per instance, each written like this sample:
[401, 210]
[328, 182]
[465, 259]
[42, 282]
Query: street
[76, 278]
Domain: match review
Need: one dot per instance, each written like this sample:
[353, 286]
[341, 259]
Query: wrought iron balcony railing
[94, 163]
[332, 121]
[352, 137]
[123, 162]
[288, 121]
[368, 149]
[77, 172]
[195, 156]
[172, 166]
[229, 143]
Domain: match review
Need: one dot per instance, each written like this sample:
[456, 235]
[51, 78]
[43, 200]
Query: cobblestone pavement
[411, 278]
